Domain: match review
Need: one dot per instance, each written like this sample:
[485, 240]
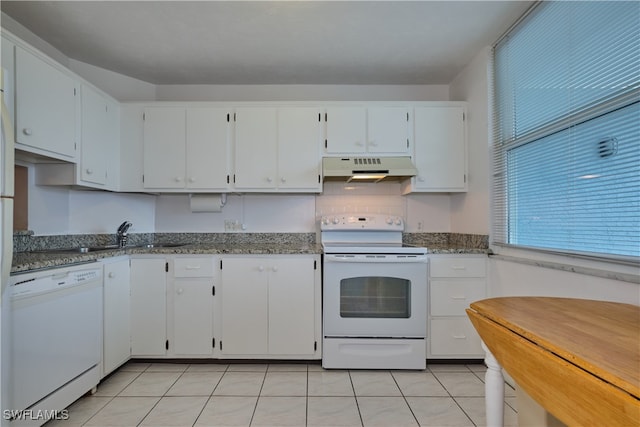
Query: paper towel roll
[206, 202]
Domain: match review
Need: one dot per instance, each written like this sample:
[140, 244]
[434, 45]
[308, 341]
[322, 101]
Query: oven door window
[375, 297]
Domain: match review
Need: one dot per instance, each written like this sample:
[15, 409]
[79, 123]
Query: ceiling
[272, 42]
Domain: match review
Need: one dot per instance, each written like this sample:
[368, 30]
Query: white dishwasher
[56, 326]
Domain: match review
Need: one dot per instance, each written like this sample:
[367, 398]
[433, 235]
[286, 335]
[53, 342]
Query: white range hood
[368, 169]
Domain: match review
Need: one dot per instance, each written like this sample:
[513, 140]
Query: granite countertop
[27, 261]
[34, 254]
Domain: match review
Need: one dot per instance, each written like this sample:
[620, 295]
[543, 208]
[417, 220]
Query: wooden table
[579, 359]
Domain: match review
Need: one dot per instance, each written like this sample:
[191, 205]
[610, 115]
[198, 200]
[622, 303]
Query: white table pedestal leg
[493, 390]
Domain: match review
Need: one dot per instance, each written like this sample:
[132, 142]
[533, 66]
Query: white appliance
[368, 169]
[6, 240]
[56, 340]
[374, 294]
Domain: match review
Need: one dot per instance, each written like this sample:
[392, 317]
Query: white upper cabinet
[185, 148]
[388, 130]
[131, 147]
[346, 130]
[440, 150]
[164, 147]
[46, 107]
[207, 149]
[360, 130]
[277, 149]
[299, 136]
[100, 139]
[256, 148]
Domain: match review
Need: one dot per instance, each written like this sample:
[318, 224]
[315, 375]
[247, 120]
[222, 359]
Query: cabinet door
[346, 130]
[388, 130]
[112, 143]
[192, 317]
[244, 306]
[164, 147]
[440, 149]
[256, 148]
[291, 306]
[299, 148]
[207, 148]
[117, 319]
[45, 106]
[94, 131]
[131, 148]
[148, 307]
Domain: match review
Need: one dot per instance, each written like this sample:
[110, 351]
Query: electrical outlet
[233, 225]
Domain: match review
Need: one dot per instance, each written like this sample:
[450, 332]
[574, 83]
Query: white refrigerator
[6, 244]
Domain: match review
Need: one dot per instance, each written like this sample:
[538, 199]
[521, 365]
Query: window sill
[626, 272]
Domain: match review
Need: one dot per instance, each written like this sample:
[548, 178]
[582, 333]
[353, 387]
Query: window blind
[566, 149]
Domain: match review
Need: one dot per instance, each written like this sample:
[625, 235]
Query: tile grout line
[163, 395]
[453, 397]
[210, 395]
[355, 397]
[111, 398]
[255, 408]
[405, 398]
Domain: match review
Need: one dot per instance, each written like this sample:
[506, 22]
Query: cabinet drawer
[454, 336]
[193, 267]
[452, 297]
[458, 267]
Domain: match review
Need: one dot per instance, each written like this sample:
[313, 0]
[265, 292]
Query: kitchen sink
[88, 249]
[80, 249]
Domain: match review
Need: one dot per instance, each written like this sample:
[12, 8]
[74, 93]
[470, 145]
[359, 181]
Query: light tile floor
[294, 394]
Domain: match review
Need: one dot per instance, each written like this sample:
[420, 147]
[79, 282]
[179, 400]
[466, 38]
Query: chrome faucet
[121, 234]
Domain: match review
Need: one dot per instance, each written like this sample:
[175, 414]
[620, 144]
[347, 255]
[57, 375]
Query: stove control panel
[362, 222]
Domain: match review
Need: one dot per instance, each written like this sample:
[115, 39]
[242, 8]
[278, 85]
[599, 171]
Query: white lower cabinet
[270, 307]
[191, 306]
[244, 307]
[116, 348]
[149, 307]
[455, 281]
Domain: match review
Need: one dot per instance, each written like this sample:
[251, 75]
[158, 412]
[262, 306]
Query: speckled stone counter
[449, 243]
[28, 249]
[193, 244]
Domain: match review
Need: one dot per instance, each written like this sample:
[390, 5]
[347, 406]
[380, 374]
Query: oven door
[377, 295]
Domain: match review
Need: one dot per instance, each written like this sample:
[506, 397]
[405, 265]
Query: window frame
[499, 239]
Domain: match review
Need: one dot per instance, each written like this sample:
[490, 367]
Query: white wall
[516, 279]
[60, 210]
[470, 211]
[259, 214]
[293, 213]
